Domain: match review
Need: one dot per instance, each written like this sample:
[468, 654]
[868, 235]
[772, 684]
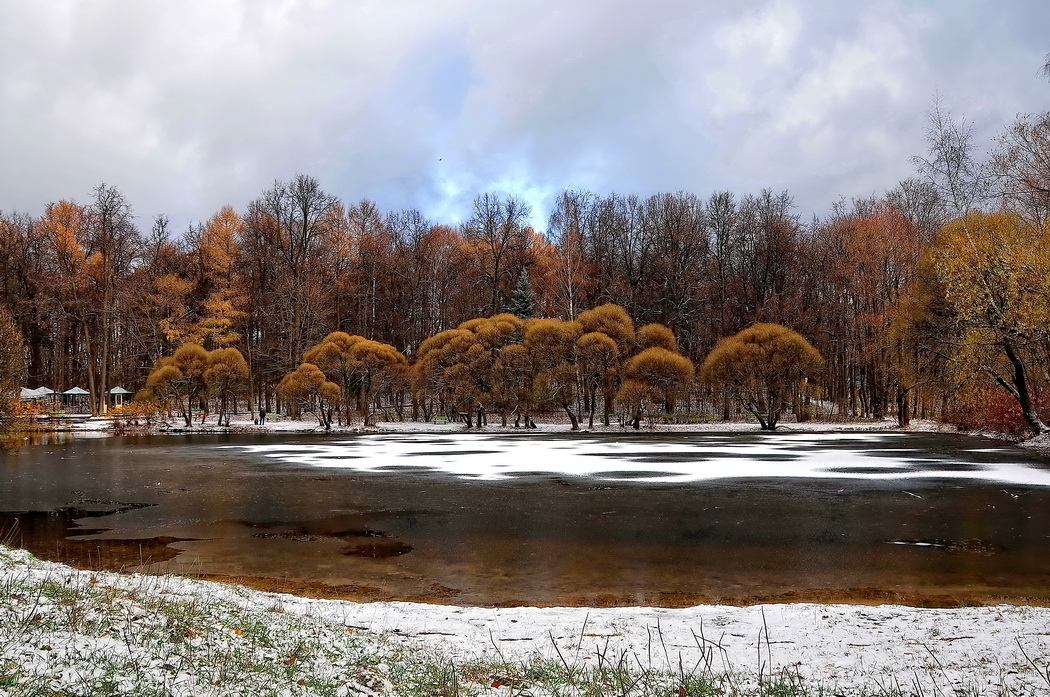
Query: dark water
[920, 518]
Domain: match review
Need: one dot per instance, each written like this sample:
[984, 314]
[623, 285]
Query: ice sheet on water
[869, 456]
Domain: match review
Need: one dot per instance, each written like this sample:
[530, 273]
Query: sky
[191, 105]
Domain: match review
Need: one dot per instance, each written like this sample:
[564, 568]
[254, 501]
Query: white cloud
[188, 106]
[768, 34]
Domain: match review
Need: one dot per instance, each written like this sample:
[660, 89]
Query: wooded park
[932, 300]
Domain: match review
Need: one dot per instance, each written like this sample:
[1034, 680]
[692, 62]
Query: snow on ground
[145, 629]
[277, 423]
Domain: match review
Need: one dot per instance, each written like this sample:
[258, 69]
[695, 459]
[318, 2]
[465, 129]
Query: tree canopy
[764, 367]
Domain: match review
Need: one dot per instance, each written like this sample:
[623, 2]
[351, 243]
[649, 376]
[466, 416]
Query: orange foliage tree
[192, 375]
[309, 390]
[654, 376]
[178, 380]
[227, 378]
[363, 368]
[552, 344]
[764, 368]
[602, 362]
[988, 289]
[451, 366]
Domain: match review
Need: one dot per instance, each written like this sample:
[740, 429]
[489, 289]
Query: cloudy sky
[186, 106]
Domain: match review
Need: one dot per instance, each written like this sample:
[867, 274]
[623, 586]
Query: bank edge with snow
[80, 632]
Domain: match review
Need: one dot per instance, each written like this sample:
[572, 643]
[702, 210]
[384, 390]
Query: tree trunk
[1020, 390]
[904, 407]
[572, 416]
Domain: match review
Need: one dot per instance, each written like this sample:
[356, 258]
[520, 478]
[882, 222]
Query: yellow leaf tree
[179, 380]
[654, 377]
[601, 363]
[309, 390]
[764, 368]
[227, 378]
[12, 368]
[552, 344]
[988, 276]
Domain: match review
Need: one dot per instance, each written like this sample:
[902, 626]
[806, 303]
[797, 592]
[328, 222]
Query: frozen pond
[669, 459]
[664, 519]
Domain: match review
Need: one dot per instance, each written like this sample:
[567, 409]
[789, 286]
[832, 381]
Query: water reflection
[11, 441]
[550, 520]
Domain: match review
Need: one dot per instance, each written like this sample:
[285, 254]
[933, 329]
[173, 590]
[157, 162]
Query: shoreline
[854, 597]
[171, 631]
[104, 426]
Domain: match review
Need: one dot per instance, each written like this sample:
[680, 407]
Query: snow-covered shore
[70, 631]
[281, 424]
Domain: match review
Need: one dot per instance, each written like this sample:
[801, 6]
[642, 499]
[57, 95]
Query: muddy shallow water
[658, 519]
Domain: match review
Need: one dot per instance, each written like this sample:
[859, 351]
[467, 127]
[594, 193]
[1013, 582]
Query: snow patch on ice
[486, 457]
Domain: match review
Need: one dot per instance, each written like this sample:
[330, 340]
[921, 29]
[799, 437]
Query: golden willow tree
[763, 368]
[514, 366]
[552, 344]
[654, 377]
[192, 376]
[363, 368]
[309, 390]
[478, 366]
[602, 360]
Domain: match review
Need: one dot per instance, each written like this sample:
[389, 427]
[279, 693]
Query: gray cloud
[188, 106]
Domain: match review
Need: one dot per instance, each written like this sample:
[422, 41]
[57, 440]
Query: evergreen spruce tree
[523, 301]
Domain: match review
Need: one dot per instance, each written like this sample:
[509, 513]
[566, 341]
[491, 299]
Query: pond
[550, 519]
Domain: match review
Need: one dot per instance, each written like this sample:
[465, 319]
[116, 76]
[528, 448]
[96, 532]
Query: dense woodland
[932, 299]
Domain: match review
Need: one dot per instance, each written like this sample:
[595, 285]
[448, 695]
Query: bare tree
[568, 227]
[1021, 166]
[951, 166]
[112, 243]
[496, 236]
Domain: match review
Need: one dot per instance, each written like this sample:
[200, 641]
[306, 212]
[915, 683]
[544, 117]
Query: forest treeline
[931, 299]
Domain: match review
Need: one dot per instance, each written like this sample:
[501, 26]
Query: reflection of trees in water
[16, 433]
[10, 441]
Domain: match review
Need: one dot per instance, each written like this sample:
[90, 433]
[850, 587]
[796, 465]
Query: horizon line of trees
[930, 300]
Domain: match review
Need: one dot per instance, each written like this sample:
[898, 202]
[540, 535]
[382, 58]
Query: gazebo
[74, 397]
[117, 395]
[45, 394]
